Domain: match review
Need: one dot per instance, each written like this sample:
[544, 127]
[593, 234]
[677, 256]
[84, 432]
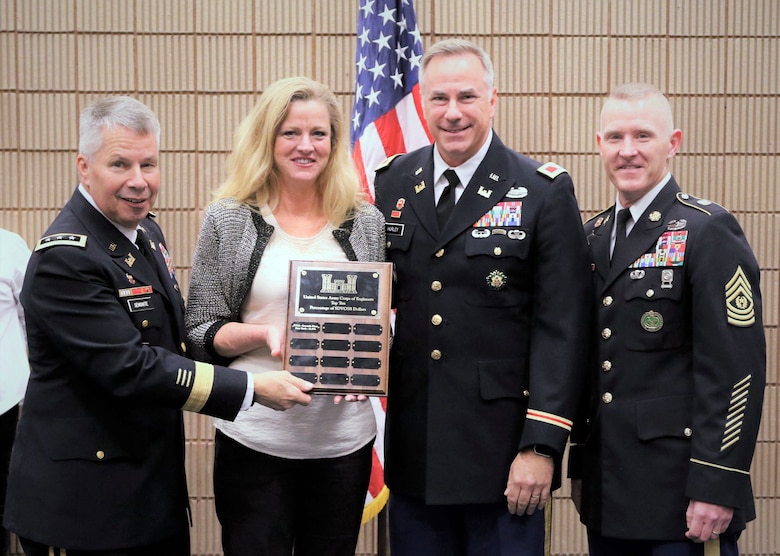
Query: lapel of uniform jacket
[599, 240]
[646, 230]
[121, 250]
[418, 194]
[487, 187]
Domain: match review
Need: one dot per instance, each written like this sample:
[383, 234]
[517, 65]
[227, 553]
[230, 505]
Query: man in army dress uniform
[666, 438]
[98, 463]
[492, 319]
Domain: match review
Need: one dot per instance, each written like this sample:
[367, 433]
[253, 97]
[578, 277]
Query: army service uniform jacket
[99, 456]
[678, 375]
[491, 325]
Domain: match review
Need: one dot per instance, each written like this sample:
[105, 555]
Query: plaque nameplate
[338, 325]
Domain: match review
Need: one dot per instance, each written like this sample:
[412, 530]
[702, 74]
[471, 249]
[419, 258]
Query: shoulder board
[602, 214]
[551, 170]
[386, 162]
[702, 205]
[74, 240]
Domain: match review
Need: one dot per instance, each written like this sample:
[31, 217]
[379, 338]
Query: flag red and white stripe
[387, 119]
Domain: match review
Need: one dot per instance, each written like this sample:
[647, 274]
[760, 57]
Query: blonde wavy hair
[252, 176]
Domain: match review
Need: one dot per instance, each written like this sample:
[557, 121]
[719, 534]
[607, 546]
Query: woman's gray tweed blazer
[230, 244]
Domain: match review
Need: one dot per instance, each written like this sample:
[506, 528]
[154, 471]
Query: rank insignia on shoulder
[693, 202]
[74, 240]
[551, 170]
[386, 162]
[740, 308]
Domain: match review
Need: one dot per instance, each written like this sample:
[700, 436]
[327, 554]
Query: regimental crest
[740, 307]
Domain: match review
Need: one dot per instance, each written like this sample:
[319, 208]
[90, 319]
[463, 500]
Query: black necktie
[447, 199]
[620, 231]
[142, 242]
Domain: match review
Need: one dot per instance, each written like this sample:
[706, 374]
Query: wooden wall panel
[638, 58]
[753, 126]
[569, 56]
[694, 18]
[102, 63]
[48, 61]
[8, 59]
[201, 64]
[159, 16]
[746, 177]
[472, 17]
[574, 17]
[752, 66]
[45, 15]
[48, 121]
[521, 64]
[9, 130]
[165, 63]
[116, 15]
[639, 17]
[522, 122]
[227, 63]
[229, 18]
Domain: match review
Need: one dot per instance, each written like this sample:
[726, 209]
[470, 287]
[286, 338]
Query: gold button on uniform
[145, 323]
[100, 454]
[607, 301]
[440, 253]
[606, 333]
[436, 320]
[526, 393]
[183, 347]
[607, 397]
[606, 366]
[436, 355]
[389, 244]
[650, 293]
[497, 251]
[436, 285]
[688, 432]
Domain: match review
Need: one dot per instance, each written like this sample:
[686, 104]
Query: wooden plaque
[338, 325]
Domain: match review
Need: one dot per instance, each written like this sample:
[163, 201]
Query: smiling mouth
[456, 130]
[134, 201]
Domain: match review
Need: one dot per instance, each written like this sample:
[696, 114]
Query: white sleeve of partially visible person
[15, 370]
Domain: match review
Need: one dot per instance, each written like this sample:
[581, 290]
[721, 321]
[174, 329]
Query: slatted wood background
[200, 64]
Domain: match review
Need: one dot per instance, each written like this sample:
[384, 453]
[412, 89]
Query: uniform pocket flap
[501, 379]
[659, 417]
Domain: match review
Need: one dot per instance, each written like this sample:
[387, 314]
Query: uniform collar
[466, 170]
[638, 208]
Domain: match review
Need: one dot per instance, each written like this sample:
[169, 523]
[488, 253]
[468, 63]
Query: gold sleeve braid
[201, 387]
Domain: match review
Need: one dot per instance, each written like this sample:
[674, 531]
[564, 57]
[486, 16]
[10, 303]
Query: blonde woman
[293, 480]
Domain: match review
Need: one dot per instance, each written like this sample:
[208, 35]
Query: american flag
[386, 119]
[387, 116]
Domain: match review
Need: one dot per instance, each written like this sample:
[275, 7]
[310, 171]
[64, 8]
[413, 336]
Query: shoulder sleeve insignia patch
[551, 170]
[386, 162]
[74, 240]
[740, 309]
